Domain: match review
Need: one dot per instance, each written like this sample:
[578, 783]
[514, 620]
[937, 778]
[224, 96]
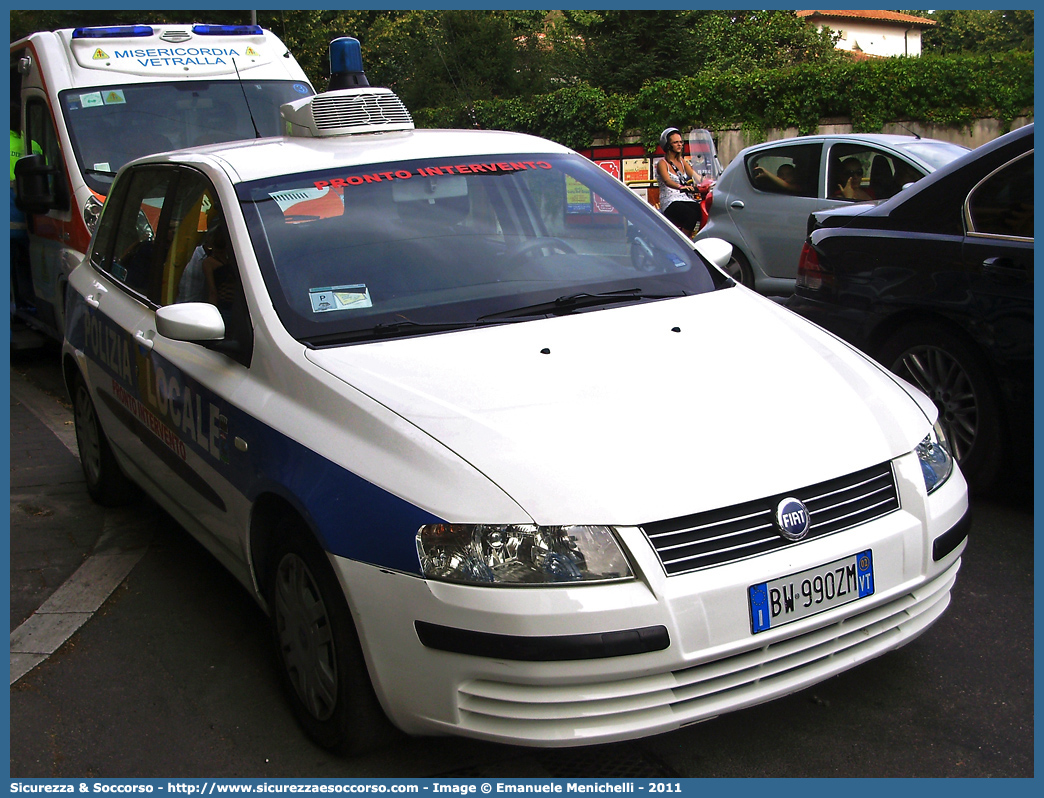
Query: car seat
[882, 179]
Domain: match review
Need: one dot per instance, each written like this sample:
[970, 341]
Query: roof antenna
[257, 133]
[904, 127]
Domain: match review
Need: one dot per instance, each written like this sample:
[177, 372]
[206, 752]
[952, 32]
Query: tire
[320, 660]
[738, 269]
[106, 482]
[954, 376]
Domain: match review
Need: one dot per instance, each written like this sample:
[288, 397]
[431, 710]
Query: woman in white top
[678, 194]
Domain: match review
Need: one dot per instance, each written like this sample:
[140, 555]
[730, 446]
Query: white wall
[877, 39]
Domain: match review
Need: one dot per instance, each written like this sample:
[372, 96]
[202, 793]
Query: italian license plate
[791, 598]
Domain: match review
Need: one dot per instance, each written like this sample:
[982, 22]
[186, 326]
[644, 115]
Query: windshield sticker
[114, 97]
[102, 166]
[341, 297]
[500, 167]
[91, 100]
[300, 88]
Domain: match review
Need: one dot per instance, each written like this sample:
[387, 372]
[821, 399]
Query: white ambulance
[88, 100]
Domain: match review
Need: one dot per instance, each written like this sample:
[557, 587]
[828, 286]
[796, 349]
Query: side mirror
[716, 250]
[194, 322]
[38, 187]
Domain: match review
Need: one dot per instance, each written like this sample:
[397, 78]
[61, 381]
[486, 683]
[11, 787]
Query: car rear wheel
[321, 661]
[738, 268]
[106, 482]
[954, 377]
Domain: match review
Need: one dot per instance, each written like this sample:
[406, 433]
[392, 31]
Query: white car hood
[637, 413]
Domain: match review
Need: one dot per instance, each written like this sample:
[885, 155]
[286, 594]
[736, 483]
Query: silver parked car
[762, 200]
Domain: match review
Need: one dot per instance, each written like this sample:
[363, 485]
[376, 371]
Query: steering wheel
[527, 248]
[643, 257]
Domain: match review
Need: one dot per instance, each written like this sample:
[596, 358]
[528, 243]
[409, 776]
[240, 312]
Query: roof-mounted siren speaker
[350, 105]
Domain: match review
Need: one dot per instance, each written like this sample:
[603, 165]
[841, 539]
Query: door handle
[737, 204]
[144, 338]
[1004, 269]
[94, 299]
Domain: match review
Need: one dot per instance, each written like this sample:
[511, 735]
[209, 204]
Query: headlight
[493, 554]
[92, 213]
[936, 460]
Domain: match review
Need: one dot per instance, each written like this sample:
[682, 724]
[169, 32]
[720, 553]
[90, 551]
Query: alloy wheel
[948, 385]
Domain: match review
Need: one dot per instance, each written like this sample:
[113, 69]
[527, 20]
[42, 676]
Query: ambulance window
[41, 137]
[135, 259]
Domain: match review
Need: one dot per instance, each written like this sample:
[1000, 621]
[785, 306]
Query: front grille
[361, 109]
[574, 714]
[734, 533]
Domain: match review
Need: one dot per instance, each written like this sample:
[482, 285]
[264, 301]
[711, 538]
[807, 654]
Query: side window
[194, 212]
[1002, 204]
[199, 262]
[790, 169]
[40, 137]
[136, 257]
[861, 173]
[101, 251]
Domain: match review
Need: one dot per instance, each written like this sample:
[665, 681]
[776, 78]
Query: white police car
[471, 420]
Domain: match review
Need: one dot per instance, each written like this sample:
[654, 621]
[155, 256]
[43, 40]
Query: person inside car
[848, 181]
[785, 178]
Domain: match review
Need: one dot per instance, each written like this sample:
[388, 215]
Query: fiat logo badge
[792, 518]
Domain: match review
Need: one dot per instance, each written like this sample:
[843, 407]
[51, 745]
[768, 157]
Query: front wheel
[321, 662]
[738, 268]
[955, 378]
[106, 482]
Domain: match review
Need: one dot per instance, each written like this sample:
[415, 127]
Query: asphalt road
[173, 675]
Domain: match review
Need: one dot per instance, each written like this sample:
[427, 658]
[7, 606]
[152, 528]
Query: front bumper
[712, 662]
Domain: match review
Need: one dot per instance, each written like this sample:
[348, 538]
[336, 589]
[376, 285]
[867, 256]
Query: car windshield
[110, 125]
[407, 248]
[934, 153]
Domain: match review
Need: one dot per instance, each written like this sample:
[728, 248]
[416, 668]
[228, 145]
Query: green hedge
[936, 90]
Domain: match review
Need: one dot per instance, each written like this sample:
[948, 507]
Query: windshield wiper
[395, 329]
[571, 302]
[561, 306]
[387, 330]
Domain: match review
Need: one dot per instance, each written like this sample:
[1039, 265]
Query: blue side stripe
[353, 517]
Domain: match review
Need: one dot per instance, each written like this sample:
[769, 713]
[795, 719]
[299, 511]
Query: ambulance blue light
[227, 30]
[346, 67]
[345, 55]
[113, 32]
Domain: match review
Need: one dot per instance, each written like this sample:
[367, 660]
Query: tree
[743, 40]
[970, 31]
[618, 51]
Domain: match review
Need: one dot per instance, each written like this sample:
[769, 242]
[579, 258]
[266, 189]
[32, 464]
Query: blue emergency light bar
[346, 66]
[227, 30]
[113, 32]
